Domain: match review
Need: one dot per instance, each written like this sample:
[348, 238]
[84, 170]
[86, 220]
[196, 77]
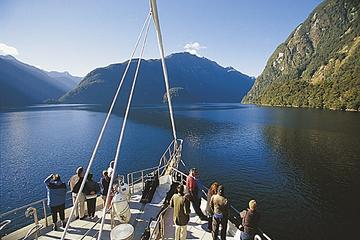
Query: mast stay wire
[105, 125]
[118, 148]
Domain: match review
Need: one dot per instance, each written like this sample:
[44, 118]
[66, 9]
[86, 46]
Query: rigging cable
[123, 130]
[104, 126]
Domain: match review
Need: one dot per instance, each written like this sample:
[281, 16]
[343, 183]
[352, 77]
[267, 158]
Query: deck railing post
[142, 179]
[45, 213]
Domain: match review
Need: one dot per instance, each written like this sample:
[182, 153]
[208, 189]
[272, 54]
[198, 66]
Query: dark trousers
[91, 205]
[58, 209]
[196, 205]
[215, 227]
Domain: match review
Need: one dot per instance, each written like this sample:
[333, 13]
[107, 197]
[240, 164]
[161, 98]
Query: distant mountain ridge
[192, 80]
[68, 80]
[22, 84]
[318, 65]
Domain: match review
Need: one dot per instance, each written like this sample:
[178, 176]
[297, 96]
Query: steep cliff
[318, 65]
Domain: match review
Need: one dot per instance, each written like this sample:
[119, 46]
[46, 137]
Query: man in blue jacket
[56, 194]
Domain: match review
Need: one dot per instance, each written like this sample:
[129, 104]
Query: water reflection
[301, 165]
[321, 172]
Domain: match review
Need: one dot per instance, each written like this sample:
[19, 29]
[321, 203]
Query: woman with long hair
[212, 191]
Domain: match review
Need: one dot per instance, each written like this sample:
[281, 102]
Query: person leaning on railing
[250, 221]
[56, 194]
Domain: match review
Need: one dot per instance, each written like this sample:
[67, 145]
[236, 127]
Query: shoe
[83, 218]
[64, 224]
[55, 227]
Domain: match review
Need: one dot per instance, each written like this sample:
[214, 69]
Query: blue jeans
[246, 236]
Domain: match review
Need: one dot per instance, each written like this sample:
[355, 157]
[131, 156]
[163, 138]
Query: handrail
[33, 230]
[159, 218]
[4, 223]
[25, 206]
[177, 147]
[22, 207]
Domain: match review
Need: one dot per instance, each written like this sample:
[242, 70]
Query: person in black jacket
[104, 185]
[91, 190]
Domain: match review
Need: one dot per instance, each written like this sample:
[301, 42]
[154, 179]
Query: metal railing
[39, 204]
[159, 227]
[171, 155]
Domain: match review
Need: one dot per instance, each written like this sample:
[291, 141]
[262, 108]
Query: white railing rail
[38, 205]
[171, 155]
[159, 227]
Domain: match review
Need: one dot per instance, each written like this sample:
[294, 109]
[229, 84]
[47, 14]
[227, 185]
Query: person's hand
[92, 192]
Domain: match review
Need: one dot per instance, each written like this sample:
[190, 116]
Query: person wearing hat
[181, 214]
[220, 207]
[250, 221]
[194, 192]
[75, 183]
[56, 194]
[91, 190]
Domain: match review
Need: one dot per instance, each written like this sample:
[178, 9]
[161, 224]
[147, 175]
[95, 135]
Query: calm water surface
[302, 165]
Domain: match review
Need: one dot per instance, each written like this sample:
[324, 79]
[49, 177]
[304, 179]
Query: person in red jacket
[194, 190]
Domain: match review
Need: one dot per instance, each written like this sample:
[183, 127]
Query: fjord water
[301, 165]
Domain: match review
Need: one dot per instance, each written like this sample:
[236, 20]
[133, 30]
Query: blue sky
[79, 36]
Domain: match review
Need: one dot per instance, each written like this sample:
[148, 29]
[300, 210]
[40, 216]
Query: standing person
[56, 194]
[250, 221]
[111, 168]
[91, 190]
[75, 183]
[104, 185]
[219, 205]
[194, 190]
[181, 207]
[212, 191]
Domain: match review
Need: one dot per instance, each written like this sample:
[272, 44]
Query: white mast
[155, 17]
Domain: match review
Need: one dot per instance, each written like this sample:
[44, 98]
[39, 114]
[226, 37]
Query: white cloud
[193, 48]
[8, 50]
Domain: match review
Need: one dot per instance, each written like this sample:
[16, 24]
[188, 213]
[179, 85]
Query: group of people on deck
[56, 193]
[217, 209]
[216, 214]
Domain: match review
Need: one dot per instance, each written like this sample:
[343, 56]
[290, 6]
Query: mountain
[192, 79]
[22, 84]
[318, 65]
[65, 78]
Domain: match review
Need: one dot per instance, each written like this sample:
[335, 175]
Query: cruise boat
[139, 201]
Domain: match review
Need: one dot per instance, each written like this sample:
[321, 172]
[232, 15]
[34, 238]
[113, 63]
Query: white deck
[141, 215]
